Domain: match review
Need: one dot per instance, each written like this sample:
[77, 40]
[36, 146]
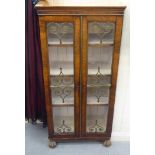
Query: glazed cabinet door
[60, 44]
[99, 63]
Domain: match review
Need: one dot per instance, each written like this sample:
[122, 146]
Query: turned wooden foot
[107, 143]
[52, 144]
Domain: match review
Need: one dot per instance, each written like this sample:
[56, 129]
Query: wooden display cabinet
[80, 54]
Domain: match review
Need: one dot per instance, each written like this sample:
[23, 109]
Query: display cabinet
[80, 54]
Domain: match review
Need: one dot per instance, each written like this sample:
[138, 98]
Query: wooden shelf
[89, 45]
[70, 72]
[93, 74]
[89, 86]
[70, 105]
[52, 86]
[103, 85]
[100, 45]
[62, 105]
[61, 45]
[93, 101]
[96, 104]
[89, 103]
[104, 72]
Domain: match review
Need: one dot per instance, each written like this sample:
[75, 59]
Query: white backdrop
[121, 114]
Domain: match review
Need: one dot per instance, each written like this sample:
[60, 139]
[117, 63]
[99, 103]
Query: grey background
[36, 143]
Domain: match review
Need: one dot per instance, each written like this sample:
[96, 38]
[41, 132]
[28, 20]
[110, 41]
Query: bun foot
[107, 143]
[52, 144]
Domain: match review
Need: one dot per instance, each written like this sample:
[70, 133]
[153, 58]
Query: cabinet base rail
[53, 141]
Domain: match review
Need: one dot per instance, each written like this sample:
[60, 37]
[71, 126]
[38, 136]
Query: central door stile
[81, 76]
[77, 56]
[84, 74]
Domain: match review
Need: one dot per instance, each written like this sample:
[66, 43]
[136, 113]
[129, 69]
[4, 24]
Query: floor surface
[36, 143]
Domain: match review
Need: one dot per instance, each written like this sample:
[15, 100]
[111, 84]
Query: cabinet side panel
[44, 52]
[115, 63]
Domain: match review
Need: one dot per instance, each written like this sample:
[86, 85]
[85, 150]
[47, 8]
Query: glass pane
[100, 51]
[60, 48]
[101, 33]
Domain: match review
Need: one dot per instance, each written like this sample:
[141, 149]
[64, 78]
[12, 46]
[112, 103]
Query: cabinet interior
[60, 40]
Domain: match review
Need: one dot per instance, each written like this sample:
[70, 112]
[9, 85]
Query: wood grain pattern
[72, 10]
[44, 49]
[84, 73]
[44, 52]
[71, 138]
[76, 51]
[115, 63]
[85, 21]
[80, 16]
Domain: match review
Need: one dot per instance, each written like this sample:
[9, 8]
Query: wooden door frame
[43, 20]
[118, 20]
